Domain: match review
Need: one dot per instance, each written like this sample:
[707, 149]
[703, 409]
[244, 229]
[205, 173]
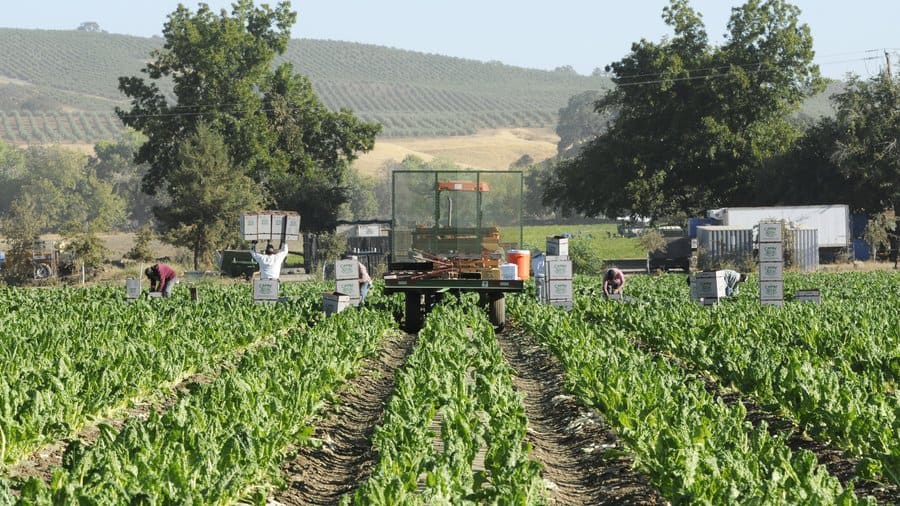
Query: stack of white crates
[270, 226]
[346, 274]
[708, 287]
[556, 283]
[771, 263]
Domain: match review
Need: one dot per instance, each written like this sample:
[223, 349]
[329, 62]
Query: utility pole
[887, 68]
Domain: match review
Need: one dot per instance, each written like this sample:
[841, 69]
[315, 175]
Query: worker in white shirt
[270, 261]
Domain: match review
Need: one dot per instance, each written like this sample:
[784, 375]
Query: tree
[274, 126]
[580, 122]
[867, 140]
[113, 162]
[208, 193]
[89, 26]
[693, 121]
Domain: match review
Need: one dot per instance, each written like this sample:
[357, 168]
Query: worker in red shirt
[162, 279]
[613, 282]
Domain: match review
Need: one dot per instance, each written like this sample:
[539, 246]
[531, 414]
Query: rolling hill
[60, 86]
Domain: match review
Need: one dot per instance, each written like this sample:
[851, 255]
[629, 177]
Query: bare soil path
[582, 458]
[318, 476]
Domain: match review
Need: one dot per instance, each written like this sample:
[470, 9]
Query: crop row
[70, 355]
[695, 448]
[224, 441]
[832, 377]
[457, 375]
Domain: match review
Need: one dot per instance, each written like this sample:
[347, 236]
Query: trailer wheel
[42, 271]
[414, 312]
[497, 310]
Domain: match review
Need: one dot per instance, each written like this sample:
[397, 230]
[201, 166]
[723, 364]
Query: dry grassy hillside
[493, 149]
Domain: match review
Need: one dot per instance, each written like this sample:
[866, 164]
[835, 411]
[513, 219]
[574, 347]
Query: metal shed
[723, 245]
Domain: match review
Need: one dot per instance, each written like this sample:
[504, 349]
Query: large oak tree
[691, 120]
[219, 69]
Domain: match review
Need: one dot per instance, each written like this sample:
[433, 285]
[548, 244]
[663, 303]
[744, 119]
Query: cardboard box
[132, 288]
[265, 290]
[705, 285]
[771, 271]
[278, 227]
[349, 287]
[334, 302]
[558, 246]
[770, 231]
[557, 268]
[559, 289]
[813, 296]
[771, 290]
[292, 227]
[249, 227]
[263, 227]
[771, 252]
[346, 269]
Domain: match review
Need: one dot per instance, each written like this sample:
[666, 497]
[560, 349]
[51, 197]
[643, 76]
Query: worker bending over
[732, 281]
[613, 282]
[162, 279]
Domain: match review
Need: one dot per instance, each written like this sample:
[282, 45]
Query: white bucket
[509, 271]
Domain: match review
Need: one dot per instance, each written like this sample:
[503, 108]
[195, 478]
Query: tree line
[692, 126]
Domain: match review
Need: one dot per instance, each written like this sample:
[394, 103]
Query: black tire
[415, 317]
[497, 311]
[42, 271]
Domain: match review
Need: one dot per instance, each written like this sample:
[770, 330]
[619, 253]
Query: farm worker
[365, 281]
[613, 282]
[162, 279]
[269, 262]
[732, 280]
[537, 267]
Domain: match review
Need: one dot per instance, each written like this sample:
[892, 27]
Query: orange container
[522, 259]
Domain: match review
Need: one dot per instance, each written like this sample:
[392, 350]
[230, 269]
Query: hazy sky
[850, 36]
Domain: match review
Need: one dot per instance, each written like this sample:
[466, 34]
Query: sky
[585, 34]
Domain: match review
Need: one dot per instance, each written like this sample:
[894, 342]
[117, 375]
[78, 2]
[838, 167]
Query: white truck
[832, 221]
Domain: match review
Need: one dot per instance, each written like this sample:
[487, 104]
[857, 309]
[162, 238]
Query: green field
[599, 238]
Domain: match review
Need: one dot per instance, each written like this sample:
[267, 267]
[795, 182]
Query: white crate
[292, 227]
[278, 227]
[813, 296]
[132, 288]
[558, 246]
[346, 269]
[557, 268]
[265, 290]
[771, 271]
[348, 287]
[334, 302]
[771, 252]
[249, 227]
[771, 290]
[706, 285]
[559, 289]
[263, 227]
[770, 231]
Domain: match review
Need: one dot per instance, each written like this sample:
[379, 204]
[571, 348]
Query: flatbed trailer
[422, 293]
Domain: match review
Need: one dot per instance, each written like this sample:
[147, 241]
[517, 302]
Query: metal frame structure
[426, 280]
